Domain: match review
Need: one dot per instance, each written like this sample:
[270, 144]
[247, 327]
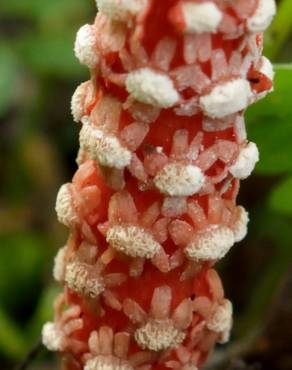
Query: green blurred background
[38, 75]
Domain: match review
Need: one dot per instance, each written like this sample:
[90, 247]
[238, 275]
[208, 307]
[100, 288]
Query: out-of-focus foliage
[38, 74]
[269, 124]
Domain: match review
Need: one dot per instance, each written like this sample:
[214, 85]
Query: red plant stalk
[152, 205]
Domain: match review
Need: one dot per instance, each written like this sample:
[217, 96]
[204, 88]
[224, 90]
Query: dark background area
[38, 146]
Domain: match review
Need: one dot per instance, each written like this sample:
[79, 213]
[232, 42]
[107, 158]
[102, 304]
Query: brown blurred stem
[30, 357]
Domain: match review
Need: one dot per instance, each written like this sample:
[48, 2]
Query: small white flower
[60, 265]
[150, 87]
[104, 148]
[267, 68]
[52, 337]
[64, 206]
[85, 46]
[263, 16]
[133, 241]
[120, 10]
[240, 226]
[210, 244]
[221, 320]
[245, 162]
[200, 18]
[179, 180]
[80, 280]
[158, 335]
[227, 98]
[107, 363]
[78, 100]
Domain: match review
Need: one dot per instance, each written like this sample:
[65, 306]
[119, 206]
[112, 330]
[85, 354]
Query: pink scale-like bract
[152, 206]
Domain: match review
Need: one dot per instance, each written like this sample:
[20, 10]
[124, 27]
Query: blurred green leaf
[44, 311]
[12, 342]
[57, 15]
[45, 9]
[281, 197]
[263, 293]
[273, 233]
[21, 8]
[45, 42]
[22, 258]
[270, 125]
[52, 54]
[276, 228]
[8, 77]
[280, 29]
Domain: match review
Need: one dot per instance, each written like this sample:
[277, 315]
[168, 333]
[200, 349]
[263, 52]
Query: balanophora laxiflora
[152, 206]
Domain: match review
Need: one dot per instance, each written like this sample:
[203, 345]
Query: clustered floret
[152, 206]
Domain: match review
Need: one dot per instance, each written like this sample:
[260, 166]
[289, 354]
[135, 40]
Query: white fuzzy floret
[158, 335]
[107, 363]
[267, 68]
[221, 320]
[150, 87]
[104, 148]
[227, 98]
[200, 18]
[79, 280]
[120, 10]
[179, 180]
[85, 46]
[64, 206]
[240, 226]
[263, 16]
[78, 100]
[245, 162]
[52, 337]
[60, 265]
[211, 244]
[133, 241]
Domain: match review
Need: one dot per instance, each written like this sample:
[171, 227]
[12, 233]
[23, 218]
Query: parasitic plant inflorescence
[152, 206]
